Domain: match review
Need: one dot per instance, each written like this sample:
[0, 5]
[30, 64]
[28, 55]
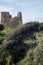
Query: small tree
[41, 26]
[36, 26]
[1, 26]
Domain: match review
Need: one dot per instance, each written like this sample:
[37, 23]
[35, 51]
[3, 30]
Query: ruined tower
[8, 21]
[17, 20]
[5, 19]
[20, 17]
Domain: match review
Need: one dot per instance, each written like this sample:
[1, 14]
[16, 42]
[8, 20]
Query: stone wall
[8, 21]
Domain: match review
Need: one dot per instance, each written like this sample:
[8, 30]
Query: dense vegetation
[23, 45]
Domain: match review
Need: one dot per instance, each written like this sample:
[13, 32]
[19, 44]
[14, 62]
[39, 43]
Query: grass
[7, 30]
[4, 32]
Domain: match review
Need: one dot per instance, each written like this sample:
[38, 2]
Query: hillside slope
[34, 56]
[23, 46]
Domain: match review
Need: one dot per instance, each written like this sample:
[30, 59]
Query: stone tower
[5, 18]
[8, 21]
[20, 16]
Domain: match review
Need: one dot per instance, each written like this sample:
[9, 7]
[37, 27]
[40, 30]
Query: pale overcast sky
[32, 10]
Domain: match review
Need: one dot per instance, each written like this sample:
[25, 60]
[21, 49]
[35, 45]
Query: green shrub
[1, 27]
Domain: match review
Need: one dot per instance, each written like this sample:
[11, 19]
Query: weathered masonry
[8, 21]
